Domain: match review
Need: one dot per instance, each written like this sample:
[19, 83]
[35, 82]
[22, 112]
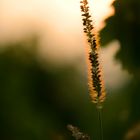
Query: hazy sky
[58, 22]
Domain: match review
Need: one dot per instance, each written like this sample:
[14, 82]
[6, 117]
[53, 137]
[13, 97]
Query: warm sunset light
[101, 10]
[58, 21]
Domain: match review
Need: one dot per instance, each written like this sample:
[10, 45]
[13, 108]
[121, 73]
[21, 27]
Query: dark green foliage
[38, 101]
[125, 27]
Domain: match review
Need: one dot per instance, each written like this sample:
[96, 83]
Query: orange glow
[101, 10]
[58, 21]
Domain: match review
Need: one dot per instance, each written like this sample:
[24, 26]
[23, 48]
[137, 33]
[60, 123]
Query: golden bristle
[95, 82]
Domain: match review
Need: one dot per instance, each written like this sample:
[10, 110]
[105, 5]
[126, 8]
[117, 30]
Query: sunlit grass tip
[95, 81]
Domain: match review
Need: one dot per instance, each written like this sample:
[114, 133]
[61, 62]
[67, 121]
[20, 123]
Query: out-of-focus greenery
[38, 101]
[125, 27]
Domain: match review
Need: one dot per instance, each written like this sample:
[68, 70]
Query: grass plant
[95, 81]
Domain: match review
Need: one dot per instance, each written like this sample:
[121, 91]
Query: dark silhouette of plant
[124, 26]
[77, 134]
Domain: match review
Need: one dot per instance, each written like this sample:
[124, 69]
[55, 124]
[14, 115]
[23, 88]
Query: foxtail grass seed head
[96, 88]
[77, 134]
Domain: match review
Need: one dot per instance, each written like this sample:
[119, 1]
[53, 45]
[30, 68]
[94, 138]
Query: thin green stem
[100, 123]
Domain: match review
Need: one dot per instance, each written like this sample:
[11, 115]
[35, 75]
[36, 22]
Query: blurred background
[43, 73]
